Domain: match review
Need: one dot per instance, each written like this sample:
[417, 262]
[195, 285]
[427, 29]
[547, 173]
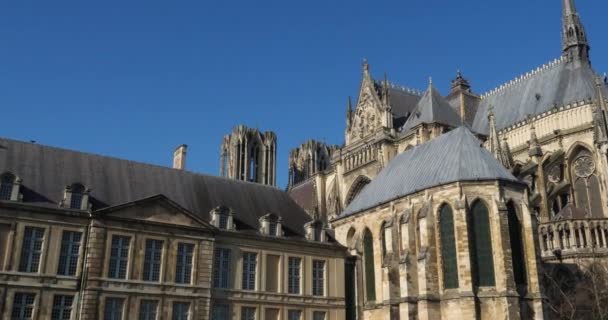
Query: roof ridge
[61, 149]
[399, 87]
[528, 75]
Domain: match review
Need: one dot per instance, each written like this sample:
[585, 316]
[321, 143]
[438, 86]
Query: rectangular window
[31, 249]
[183, 272]
[220, 312]
[273, 228]
[249, 270]
[318, 315]
[223, 223]
[294, 275]
[76, 201]
[62, 307]
[294, 315]
[69, 253]
[181, 310]
[6, 190]
[148, 309]
[318, 277]
[23, 306]
[119, 257]
[221, 269]
[152, 260]
[248, 313]
[114, 307]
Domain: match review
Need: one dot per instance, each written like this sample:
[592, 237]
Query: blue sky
[134, 79]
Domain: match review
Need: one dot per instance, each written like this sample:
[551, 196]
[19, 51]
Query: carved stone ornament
[554, 174]
[584, 166]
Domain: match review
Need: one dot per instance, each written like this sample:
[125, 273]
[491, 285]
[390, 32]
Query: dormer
[270, 225]
[76, 197]
[315, 231]
[9, 187]
[223, 218]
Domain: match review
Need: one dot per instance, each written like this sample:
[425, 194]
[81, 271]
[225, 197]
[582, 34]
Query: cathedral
[459, 206]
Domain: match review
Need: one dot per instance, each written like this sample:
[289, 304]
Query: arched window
[383, 233]
[404, 232]
[517, 245]
[7, 181]
[448, 248]
[480, 245]
[368, 256]
[253, 163]
[587, 194]
[77, 191]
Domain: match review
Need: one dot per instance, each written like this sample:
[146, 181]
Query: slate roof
[402, 101]
[304, 195]
[432, 108]
[451, 157]
[46, 171]
[558, 83]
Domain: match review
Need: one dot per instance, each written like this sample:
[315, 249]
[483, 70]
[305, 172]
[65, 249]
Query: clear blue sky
[134, 79]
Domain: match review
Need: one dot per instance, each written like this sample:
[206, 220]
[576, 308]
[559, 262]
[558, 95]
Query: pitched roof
[432, 108]
[453, 156]
[558, 83]
[46, 171]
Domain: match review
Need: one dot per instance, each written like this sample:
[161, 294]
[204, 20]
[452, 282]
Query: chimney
[179, 157]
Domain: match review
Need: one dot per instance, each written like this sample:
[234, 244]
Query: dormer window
[222, 218]
[270, 225]
[315, 231]
[9, 187]
[76, 197]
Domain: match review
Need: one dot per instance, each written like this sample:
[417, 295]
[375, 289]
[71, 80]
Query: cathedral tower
[574, 37]
[249, 155]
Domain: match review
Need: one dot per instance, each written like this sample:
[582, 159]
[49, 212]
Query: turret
[574, 37]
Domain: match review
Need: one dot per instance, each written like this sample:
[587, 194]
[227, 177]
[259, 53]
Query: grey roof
[558, 83]
[46, 171]
[432, 108]
[453, 156]
[402, 101]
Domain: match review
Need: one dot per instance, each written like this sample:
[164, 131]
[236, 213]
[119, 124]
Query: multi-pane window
[318, 277]
[294, 273]
[183, 267]
[77, 193]
[318, 231]
[221, 268]
[181, 310]
[248, 313]
[318, 315]
[448, 248]
[223, 223]
[119, 257]
[62, 307]
[249, 270]
[114, 309]
[480, 242]
[69, 253]
[148, 309]
[294, 315]
[31, 249]
[220, 312]
[152, 259]
[23, 306]
[273, 227]
[6, 186]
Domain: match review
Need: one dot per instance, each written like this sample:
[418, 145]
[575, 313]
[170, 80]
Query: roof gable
[432, 108]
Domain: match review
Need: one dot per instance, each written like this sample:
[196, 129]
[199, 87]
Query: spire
[535, 150]
[507, 156]
[502, 153]
[385, 87]
[366, 68]
[349, 112]
[574, 37]
[600, 127]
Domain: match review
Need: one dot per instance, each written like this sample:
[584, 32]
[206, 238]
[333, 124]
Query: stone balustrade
[573, 238]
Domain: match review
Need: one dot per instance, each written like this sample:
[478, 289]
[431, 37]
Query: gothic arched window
[480, 245]
[7, 181]
[587, 194]
[448, 248]
[517, 245]
[368, 256]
